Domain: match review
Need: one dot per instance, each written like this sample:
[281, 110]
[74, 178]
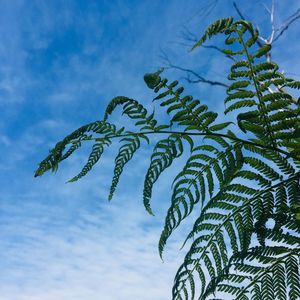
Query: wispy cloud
[105, 254]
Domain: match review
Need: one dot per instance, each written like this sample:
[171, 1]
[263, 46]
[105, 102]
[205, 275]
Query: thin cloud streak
[94, 257]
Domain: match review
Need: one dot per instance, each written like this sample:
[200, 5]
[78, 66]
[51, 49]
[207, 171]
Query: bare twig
[194, 77]
[191, 37]
[219, 50]
[258, 42]
[238, 10]
[271, 12]
[205, 10]
[282, 90]
[197, 78]
[188, 35]
[276, 33]
[272, 22]
[269, 40]
[295, 16]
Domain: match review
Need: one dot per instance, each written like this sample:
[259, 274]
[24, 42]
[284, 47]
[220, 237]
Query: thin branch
[190, 72]
[238, 10]
[191, 37]
[259, 43]
[232, 138]
[199, 78]
[282, 90]
[205, 10]
[292, 74]
[188, 35]
[295, 16]
[219, 50]
[271, 12]
[269, 40]
[272, 22]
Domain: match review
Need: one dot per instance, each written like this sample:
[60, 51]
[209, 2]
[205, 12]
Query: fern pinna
[245, 240]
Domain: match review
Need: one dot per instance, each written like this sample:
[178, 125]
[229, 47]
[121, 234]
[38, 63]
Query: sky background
[61, 63]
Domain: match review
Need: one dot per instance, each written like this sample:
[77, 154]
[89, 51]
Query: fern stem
[258, 93]
[236, 139]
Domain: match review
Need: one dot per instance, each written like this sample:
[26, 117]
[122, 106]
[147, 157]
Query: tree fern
[246, 238]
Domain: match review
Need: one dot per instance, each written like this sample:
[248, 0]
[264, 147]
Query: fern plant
[244, 175]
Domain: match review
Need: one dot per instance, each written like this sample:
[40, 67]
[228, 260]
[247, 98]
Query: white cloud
[92, 257]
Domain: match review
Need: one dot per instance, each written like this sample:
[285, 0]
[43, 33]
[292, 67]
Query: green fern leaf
[125, 154]
[153, 79]
[92, 160]
[164, 153]
[217, 27]
[279, 282]
[293, 279]
[263, 51]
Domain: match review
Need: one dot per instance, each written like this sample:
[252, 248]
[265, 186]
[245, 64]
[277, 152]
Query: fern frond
[246, 237]
[185, 110]
[163, 155]
[293, 279]
[238, 222]
[94, 156]
[57, 153]
[126, 152]
[218, 26]
[189, 185]
[134, 110]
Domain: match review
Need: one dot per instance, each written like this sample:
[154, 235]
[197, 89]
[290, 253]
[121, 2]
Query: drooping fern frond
[275, 275]
[198, 180]
[126, 152]
[164, 153]
[131, 143]
[94, 156]
[75, 139]
[242, 217]
[217, 27]
[243, 176]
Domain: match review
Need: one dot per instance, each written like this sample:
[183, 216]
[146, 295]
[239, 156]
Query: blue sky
[61, 63]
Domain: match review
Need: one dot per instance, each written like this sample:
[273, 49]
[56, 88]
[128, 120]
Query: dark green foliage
[246, 237]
